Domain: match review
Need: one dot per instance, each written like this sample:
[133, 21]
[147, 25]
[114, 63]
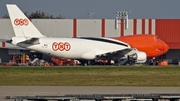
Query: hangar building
[167, 29]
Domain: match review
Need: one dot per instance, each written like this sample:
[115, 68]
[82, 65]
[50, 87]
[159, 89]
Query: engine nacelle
[138, 57]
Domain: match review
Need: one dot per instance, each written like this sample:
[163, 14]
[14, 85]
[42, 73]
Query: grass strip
[90, 76]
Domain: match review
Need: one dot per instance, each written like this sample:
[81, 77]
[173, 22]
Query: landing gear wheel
[84, 62]
[131, 62]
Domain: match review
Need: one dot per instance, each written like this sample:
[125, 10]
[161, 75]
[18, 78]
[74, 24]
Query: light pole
[90, 14]
[122, 15]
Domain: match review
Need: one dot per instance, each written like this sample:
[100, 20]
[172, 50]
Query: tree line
[39, 15]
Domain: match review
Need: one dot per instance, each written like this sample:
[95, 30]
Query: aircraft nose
[163, 47]
[166, 47]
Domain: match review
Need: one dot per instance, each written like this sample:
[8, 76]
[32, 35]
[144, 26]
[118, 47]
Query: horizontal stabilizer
[33, 41]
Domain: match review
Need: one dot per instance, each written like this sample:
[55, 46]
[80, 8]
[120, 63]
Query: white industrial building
[96, 28]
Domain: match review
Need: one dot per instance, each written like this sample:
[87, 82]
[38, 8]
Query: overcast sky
[69, 9]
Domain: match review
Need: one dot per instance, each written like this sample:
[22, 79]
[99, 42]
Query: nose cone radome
[166, 47]
[162, 48]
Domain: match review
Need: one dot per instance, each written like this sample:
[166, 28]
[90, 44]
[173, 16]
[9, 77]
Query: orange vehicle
[152, 45]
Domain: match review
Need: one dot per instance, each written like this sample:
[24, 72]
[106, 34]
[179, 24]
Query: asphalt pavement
[62, 90]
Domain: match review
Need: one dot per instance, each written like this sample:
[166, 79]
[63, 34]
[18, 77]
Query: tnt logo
[61, 46]
[21, 22]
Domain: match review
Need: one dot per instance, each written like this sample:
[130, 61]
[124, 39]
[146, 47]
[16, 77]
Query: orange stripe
[122, 27]
[74, 28]
[143, 26]
[150, 26]
[103, 28]
[134, 27]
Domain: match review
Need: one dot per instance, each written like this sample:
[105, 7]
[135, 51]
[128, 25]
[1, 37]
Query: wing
[128, 53]
[103, 54]
[117, 54]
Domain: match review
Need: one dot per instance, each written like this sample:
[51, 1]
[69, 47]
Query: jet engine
[138, 57]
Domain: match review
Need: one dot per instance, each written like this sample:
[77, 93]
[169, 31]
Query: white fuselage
[78, 48]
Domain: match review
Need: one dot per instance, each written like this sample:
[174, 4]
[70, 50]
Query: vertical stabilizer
[21, 24]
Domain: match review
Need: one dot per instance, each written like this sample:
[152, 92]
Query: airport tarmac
[62, 90]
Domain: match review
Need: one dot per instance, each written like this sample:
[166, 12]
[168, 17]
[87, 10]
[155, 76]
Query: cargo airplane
[152, 45]
[135, 49]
